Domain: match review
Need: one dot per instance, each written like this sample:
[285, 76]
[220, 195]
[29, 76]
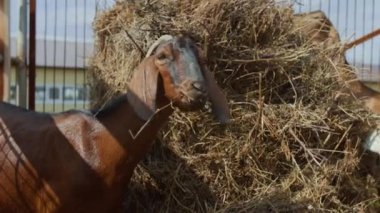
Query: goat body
[319, 30]
[82, 162]
[73, 161]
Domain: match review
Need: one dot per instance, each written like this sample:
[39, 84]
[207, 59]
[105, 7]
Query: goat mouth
[190, 102]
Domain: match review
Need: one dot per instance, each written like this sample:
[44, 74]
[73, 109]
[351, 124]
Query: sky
[73, 19]
[352, 18]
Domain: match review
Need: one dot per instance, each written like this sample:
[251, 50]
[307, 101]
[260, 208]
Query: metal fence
[64, 41]
[352, 19]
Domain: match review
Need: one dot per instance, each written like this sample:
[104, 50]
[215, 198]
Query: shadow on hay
[160, 178]
[278, 202]
[364, 182]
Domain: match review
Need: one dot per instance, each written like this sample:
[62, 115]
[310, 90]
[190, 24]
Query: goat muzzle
[192, 94]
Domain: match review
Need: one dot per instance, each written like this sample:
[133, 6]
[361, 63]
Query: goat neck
[135, 134]
[369, 97]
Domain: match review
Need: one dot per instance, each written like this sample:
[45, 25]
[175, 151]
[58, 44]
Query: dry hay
[292, 145]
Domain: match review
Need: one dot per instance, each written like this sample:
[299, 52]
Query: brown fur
[80, 161]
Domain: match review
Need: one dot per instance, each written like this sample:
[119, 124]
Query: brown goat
[82, 161]
[320, 31]
[370, 97]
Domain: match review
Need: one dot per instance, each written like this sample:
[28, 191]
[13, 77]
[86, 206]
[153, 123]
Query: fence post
[21, 74]
[32, 54]
[4, 50]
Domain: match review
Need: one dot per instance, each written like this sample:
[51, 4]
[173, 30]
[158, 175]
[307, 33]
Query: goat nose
[198, 86]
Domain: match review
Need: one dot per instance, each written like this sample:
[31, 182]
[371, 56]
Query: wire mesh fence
[353, 19]
[65, 41]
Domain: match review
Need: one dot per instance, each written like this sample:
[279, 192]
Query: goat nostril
[198, 86]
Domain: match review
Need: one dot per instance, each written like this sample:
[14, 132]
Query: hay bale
[292, 145]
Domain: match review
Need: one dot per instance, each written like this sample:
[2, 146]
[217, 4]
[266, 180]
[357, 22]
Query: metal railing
[353, 19]
[64, 43]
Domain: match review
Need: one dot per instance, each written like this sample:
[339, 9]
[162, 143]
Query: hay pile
[292, 145]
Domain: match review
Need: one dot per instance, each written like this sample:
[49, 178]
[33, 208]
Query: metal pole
[21, 89]
[5, 61]
[32, 54]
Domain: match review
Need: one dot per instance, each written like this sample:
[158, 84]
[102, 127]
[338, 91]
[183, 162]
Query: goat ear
[142, 89]
[219, 104]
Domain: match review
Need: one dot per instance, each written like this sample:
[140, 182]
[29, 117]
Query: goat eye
[162, 56]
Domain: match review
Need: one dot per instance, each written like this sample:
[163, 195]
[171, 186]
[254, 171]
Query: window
[40, 93]
[12, 93]
[69, 93]
[72, 93]
[82, 94]
[54, 93]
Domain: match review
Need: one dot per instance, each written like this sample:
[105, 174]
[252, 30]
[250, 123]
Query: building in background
[61, 82]
[65, 43]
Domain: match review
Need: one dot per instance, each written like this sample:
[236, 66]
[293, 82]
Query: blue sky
[352, 18]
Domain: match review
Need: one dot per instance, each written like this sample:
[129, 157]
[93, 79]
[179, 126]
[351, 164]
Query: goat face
[178, 64]
[186, 82]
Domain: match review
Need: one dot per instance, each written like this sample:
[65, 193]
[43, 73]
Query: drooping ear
[219, 104]
[142, 89]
